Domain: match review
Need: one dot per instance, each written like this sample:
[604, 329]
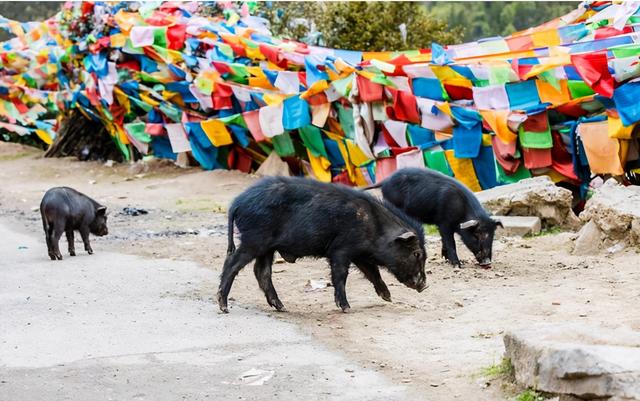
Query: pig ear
[498, 224]
[406, 236]
[101, 210]
[468, 224]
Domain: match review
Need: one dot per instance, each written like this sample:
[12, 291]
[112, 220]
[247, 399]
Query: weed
[547, 231]
[530, 395]
[430, 229]
[502, 369]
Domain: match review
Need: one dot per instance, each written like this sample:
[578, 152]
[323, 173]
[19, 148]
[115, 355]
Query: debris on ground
[315, 285]
[255, 377]
[537, 196]
[582, 361]
[133, 211]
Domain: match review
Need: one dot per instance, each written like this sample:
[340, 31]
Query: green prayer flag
[499, 75]
[283, 145]
[550, 78]
[171, 111]
[312, 138]
[236, 119]
[579, 89]
[343, 86]
[136, 130]
[626, 50]
[535, 140]
[504, 178]
[345, 116]
[436, 160]
[143, 105]
[160, 37]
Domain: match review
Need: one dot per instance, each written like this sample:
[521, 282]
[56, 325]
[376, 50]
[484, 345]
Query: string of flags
[171, 77]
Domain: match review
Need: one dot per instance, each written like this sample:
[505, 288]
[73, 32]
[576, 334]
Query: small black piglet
[65, 210]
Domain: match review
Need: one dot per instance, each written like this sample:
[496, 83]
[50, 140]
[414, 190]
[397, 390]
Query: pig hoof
[90, 251]
[276, 303]
[52, 256]
[222, 304]
[385, 295]
[59, 257]
[346, 309]
[72, 253]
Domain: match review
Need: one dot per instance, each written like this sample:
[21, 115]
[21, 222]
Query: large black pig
[435, 198]
[65, 210]
[299, 217]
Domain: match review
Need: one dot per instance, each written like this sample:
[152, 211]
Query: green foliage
[546, 231]
[29, 10]
[530, 395]
[496, 18]
[430, 229]
[358, 25]
[503, 369]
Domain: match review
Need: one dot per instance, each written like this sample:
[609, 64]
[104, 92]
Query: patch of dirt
[435, 342]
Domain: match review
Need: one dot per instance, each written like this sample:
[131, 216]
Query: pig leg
[232, 265]
[449, 246]
[262, 270]
[84, 233]
[48, 233]
[56, 233]
[372, 273]
[72, 248]
[339, 273]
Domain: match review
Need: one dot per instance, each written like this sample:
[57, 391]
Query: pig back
[68, 206]
[304, 217]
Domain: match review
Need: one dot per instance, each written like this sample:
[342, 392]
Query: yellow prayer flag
[217, 132]
[118, 40]
[546, 38]
[497, 120]
[320, 167]
[617, 130]
[44, 135]
[317, 87]
[463, 171]
[356, 155]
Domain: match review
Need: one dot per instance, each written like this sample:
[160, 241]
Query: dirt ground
[435, 343]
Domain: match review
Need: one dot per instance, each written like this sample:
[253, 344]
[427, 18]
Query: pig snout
[417, 283]
[485, 262]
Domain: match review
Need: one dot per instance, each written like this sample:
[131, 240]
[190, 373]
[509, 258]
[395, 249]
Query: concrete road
[118, 327]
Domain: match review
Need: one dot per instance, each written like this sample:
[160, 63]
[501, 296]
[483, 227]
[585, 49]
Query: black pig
[65, 210]
[299, 217]
[435, 198]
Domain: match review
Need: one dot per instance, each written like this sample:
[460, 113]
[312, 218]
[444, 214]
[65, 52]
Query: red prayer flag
[594, 70]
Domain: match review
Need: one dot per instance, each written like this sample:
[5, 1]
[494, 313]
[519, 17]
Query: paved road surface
[119, 327]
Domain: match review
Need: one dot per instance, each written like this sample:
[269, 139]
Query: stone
[537, 196]
[615, 210]
[274, 165]
[582, 361]
[519, 225]
[589, 240]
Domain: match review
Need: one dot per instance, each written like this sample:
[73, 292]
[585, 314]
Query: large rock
[537, 196]
[615, 210]
[589, 240]
[584, 362]
[519, 225]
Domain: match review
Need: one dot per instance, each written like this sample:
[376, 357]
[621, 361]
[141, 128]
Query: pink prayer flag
[252, 119]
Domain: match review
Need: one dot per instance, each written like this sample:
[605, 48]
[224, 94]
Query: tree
[359, 25]
[487, 19]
